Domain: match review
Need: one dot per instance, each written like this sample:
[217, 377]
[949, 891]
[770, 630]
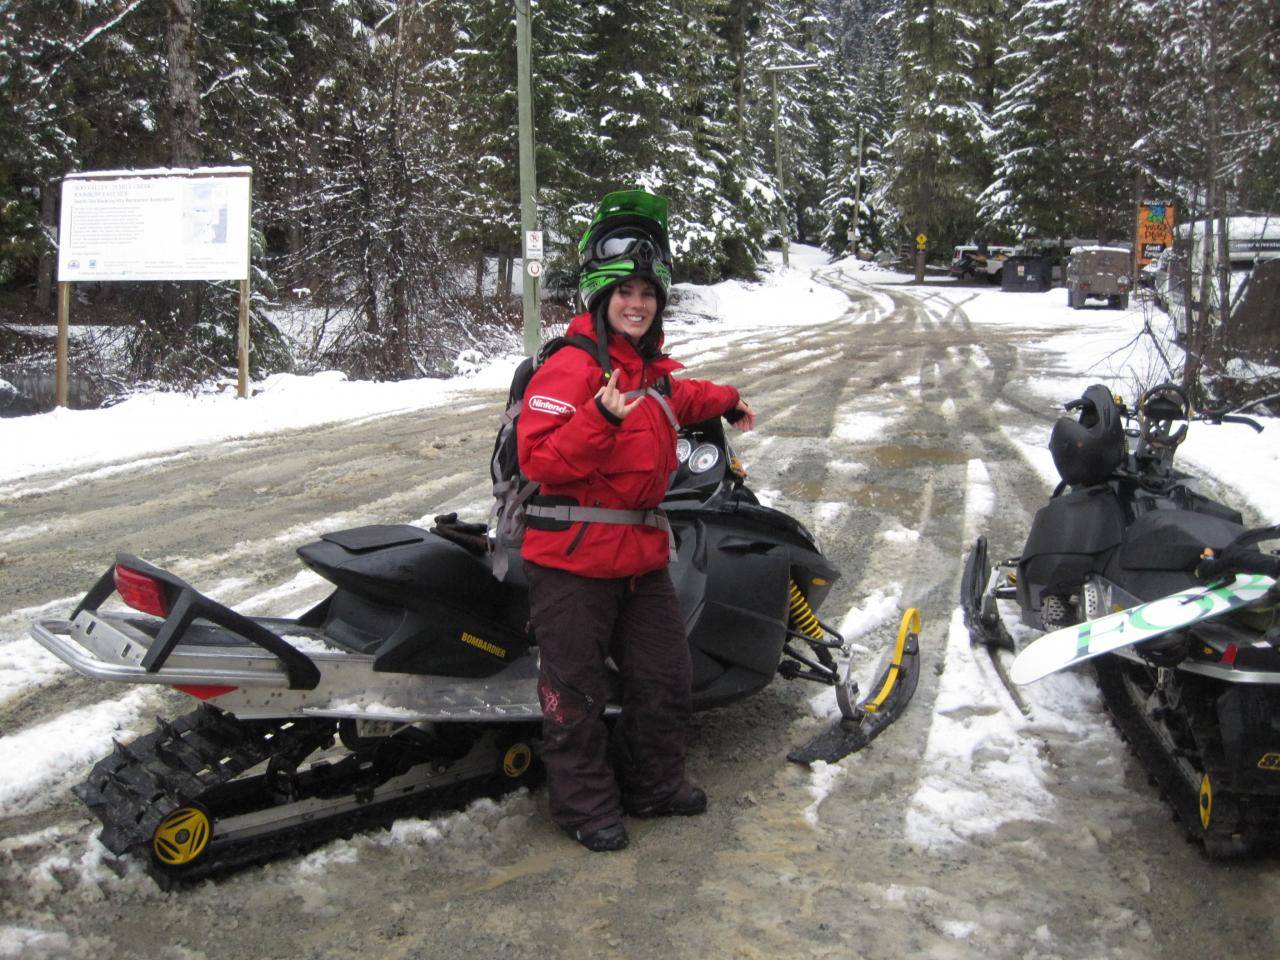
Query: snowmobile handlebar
[1241, 555]
[1222, 416]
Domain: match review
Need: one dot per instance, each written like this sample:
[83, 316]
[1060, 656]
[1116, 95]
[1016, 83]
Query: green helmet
[627, 238]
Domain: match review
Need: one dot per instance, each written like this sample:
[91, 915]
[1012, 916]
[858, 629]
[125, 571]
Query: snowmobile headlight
[703, 458]
[683, 448]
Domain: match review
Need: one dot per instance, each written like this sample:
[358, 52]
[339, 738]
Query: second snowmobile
[1200, 703]
[414, 683]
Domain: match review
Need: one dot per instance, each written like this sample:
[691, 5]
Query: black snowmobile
[413, 686]
[1200, 705]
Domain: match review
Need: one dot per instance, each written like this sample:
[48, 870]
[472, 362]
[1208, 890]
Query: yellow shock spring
[802, 618]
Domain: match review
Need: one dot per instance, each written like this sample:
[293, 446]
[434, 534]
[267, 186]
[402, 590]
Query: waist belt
[570, 513]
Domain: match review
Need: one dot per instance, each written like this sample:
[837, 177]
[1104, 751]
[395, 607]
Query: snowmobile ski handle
[908, 638]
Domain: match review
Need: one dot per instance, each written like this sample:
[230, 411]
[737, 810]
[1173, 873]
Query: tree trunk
[739, 46]
[500, 275]
[1224, 275]
[48, 245]
[395, 359]
[178, 301]
[184, 102]
[509, 279]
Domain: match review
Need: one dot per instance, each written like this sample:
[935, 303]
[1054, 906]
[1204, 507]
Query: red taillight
[141, 591]
[203, 691]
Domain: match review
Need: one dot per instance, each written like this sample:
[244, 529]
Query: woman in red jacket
[598, 433]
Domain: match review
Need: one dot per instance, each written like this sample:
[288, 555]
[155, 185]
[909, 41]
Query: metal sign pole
[242, 349]
[60, 367]
[242, 346]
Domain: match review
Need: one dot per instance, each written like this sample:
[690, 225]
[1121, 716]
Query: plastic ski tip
[863, 722]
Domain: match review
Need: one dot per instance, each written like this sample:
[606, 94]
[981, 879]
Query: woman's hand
[746, 419]
[613, 400]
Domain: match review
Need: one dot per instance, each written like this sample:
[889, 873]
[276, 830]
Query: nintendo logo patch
[550, 405]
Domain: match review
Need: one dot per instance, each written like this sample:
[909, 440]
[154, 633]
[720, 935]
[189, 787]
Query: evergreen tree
[1067, 127]
[864, 47]
[938, 144]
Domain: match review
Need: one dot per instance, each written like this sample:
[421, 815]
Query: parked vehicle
[974, 261]
[1250, 241]
[1101, 273]
[1198, 701]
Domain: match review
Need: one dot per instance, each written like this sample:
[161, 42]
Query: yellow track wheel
[1206, 801]
[517, 760]
[181, 837]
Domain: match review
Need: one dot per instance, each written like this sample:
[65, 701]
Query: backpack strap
[656, 393]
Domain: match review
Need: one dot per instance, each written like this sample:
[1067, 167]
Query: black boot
[687, 801]
[604, 840]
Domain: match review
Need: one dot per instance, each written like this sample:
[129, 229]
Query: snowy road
[968, 830]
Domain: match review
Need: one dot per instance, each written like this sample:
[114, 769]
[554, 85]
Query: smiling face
[632, 308]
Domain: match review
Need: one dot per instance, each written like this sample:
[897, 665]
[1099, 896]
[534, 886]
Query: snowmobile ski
[1073, 644]
[861, 721]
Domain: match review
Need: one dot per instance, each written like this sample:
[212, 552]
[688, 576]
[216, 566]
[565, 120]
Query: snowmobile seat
[418, 602]
[1072, 536]
[1162, 547]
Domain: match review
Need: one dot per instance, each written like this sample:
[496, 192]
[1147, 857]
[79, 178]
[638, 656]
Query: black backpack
[516, 502]
[511, 489]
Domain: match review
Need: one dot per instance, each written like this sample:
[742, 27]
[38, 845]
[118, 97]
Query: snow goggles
[632, 242]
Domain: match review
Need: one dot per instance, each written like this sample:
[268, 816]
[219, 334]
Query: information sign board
[155, 225]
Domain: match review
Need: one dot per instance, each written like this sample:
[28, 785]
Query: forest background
[382, 135]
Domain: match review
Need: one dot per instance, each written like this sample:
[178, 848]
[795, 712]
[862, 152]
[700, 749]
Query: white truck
[971, 261]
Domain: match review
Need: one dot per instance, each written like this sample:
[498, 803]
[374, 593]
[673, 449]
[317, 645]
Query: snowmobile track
[191, 763]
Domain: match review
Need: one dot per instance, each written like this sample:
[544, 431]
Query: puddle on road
[900, 501]
[903, 457]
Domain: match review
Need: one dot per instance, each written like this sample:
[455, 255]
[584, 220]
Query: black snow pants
[578, 622]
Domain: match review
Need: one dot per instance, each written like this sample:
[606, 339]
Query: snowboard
[1083, 641]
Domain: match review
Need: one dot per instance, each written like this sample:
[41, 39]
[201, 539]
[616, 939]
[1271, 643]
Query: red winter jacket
[572, 449]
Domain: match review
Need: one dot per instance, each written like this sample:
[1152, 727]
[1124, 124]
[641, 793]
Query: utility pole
[857, 198]
[529, 232]
[784, 224]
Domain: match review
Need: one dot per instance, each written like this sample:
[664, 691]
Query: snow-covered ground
[951, 805]
[1108, 345]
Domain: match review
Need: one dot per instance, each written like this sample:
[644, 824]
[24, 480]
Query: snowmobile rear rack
[181, 605]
